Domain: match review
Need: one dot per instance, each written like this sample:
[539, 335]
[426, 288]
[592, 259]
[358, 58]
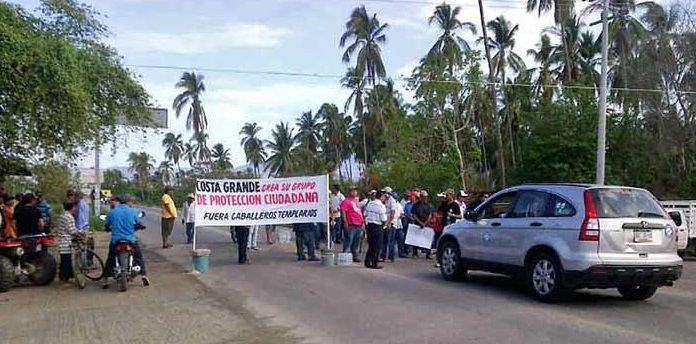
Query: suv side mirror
[676, 217]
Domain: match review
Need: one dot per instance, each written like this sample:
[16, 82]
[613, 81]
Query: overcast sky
[268, 35]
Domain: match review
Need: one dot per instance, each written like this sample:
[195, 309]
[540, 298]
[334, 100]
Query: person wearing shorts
[168, 216]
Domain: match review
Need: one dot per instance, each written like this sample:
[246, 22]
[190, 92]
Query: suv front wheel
[544, 274]
[450, 262]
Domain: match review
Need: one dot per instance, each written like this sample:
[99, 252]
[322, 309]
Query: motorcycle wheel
[7, 274]
[122, 277]
[46, 267]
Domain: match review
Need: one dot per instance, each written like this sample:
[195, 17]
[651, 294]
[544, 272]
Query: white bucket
[345, 259]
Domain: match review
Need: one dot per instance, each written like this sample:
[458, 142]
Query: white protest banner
[246, 202]
[420, 237]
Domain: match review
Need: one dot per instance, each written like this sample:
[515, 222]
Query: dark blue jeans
[305, 239]
[189, 232]
[337, 230]
[400, 238]
[389, 244]
[351, 240]
[319, 235]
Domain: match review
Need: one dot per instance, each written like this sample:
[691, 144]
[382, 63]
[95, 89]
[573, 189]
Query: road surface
[408, 302]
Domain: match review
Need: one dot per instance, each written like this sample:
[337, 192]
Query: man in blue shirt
[45, 210]
[122, 221]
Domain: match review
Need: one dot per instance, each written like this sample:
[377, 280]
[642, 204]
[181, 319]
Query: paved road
[176, 308]
[407, 301]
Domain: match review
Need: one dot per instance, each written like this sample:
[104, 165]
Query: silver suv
[560, 237]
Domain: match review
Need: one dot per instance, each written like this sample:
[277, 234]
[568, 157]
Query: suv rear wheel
[637, 292]
[451, 262]
[545, 277]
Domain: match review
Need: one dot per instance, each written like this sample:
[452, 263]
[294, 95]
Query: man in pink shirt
[353, 223]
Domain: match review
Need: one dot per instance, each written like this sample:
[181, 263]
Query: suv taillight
[589, 231]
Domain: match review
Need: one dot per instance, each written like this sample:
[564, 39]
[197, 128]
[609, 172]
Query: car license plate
[642, 236]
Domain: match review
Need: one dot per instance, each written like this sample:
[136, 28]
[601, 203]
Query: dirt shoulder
[176, 308]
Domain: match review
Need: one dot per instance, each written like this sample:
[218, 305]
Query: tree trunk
[494, 100]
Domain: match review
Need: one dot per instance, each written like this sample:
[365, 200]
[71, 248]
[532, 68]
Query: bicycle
[85, 261]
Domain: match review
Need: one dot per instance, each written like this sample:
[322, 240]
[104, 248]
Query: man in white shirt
[335, 201]
[375, 217]
[461, 200]
[189, 216]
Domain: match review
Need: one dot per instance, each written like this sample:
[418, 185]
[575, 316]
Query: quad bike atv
[27, 256]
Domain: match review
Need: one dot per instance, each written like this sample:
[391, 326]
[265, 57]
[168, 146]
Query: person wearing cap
[122, 221]
[461, 200]
[168, 215]
[387, 249]
[375, 218]
[189, 216]
[422, 214]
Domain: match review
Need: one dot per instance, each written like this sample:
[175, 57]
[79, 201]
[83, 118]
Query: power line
[400, 78]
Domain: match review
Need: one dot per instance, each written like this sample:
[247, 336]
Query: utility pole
[97, 181]
[602, 120]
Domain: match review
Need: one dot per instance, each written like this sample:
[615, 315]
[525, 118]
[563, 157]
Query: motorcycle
[126, 268]
[27, 256]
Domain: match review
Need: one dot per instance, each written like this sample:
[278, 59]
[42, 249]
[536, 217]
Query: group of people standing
[385, 220]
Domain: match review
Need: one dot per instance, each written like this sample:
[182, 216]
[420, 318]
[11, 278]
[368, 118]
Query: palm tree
[200, 150]
[193, 88]
[253, 146]
[335, 136]
[367, 34]
[189, 154]
[503, 42]
[450, 45]
[222, 157]
[563, 10]
[166, 169]
[572, 33]
[307, 138]
[542, 56]
[626, 32]
[112, 177]
[356, 83]
[281, 148]
[141, 164]
[493, 95]
[173, 148]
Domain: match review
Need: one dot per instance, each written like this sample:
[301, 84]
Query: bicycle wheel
[78, 270]
[94, 271]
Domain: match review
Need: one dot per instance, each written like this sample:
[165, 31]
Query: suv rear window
[625, 202]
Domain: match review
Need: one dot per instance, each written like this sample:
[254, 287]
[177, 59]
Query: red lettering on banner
[234, 200]
[201, 200]
[303, 186]
[292, 198]
[270, 187]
